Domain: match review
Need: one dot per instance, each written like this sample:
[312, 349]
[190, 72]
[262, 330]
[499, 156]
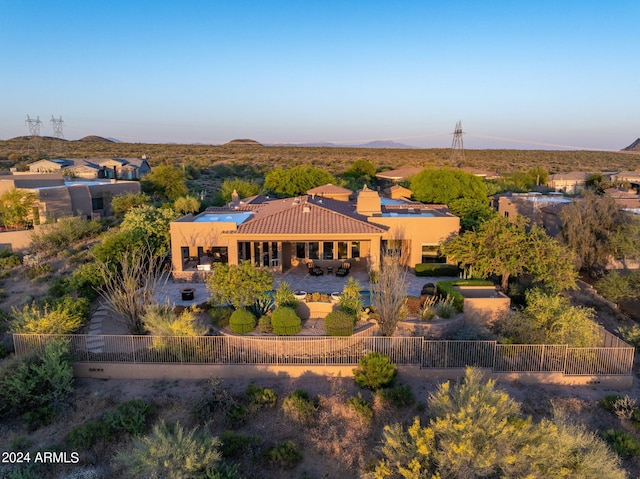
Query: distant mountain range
[371, 144]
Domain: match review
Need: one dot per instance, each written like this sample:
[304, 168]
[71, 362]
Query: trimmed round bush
[285, 321]
[375, 371]
[339, 323]
[242, 321]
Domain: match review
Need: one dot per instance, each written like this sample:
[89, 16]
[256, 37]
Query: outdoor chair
[314, 270]
[343, 270]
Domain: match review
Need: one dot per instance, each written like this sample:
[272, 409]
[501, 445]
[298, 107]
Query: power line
[457, 146]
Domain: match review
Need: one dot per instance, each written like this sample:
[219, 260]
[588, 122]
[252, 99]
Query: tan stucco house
[58, 197]
[94, 168]
[282, 233]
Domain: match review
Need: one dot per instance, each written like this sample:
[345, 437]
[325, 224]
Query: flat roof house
[282, 233]
[58, 197]
[94, 168]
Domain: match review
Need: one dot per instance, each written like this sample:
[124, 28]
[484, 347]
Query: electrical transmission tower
[57, 128]
[457, 146]
[58, 134]
[34, 132]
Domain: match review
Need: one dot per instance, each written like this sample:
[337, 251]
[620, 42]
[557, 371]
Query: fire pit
[187, 294]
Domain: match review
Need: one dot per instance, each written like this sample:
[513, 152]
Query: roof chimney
[235, 197]
[368, 202]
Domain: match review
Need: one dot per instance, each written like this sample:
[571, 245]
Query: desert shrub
[170, 451]
[61, 316]
[284, 296]
[37, 385]
[242, 321]
[237, 414]
[129, 417]
[608, 401]
[624, 407]
[57, 237]
[630, 334]
[20, 444]
[216, 399]
[375, 371]
[264, 323]
[285, 454]
[413, 304]
[299, 406]
[85, 436]
[261, 396]
[399, 396]
[85, 280]
[160, 320]
[220, 315]
[361, 406]
[37, 270]
[285, 321]
[234, 444]
[339, 323]
[436, 269]
[8, 259]
[445, 308]
[623, 443]
[427, 311]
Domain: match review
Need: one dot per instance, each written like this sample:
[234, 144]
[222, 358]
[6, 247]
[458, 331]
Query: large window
[355, 249]
[301, 250]
[431, 254]
[342, 250]
[314, 250]
[327, 250]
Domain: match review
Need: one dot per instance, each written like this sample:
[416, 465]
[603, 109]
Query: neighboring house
[530, 205]
[400, 174]
[281, 233]
[58, 197]
[625, 198]
[96, 168]
[484, 174]
[569, 183]
[632, 177]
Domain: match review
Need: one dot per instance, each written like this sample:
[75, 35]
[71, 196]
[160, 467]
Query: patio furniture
[330, 269]
[343, 270]
[314, 270]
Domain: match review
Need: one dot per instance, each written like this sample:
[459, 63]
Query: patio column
[374, 254]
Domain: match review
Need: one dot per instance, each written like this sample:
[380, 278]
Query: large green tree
[444, 185]
[242, 187]
[504, 248]
[239, 285]
[472, 212]
[597, 229]
[166, 181]
[297, 180]
[479, 431]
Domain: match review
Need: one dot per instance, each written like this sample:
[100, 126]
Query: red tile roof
[303, 215]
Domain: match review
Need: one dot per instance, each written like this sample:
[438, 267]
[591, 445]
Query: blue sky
[543, 74]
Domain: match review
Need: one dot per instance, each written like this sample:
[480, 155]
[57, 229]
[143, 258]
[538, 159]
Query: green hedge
[436, 269]
[448, 288]
[242, 321]
[285, 321]
[339, 323]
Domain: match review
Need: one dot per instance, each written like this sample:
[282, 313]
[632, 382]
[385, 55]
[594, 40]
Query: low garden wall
[483, 304]
[435, 329]
[314, 310]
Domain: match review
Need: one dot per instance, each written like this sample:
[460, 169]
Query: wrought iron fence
[614, 359]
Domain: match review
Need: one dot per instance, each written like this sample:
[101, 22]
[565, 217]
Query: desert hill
[243, 141]
[635, 146]
[95, 139]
